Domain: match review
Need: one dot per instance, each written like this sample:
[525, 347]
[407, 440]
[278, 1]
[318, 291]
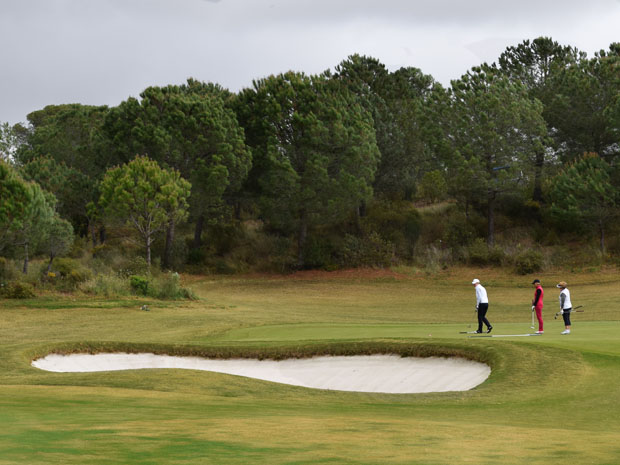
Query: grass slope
[549, 399]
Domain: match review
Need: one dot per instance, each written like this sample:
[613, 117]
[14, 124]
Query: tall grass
[106, 285]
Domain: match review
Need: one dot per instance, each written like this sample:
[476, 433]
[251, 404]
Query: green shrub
[224, 266]
[396, 222]
[371, 250]
[133, 266]
[196, 256]
[528, 262]
[496, 256]
[7, 270]
[433, 186]
[478, 252]
[79, 247]
[62, 266]
[67, 273]
[319, 252]
[139, 284]
[434, 258]
[102, 252]
[224, 237]
[459, 231]
[274, 253]
[17, 290]
[107, 285]
[168, 286]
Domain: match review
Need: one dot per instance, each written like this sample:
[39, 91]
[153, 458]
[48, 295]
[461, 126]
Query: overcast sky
[100, 52]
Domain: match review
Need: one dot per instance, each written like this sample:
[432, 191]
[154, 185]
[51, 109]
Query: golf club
[532, 327]
[469, 326]
[574, 310]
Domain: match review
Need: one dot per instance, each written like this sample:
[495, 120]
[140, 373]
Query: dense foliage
[359, 166]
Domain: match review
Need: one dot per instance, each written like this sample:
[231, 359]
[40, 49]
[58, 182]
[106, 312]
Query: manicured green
[550, 399]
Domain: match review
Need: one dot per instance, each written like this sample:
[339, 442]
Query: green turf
[550, 399]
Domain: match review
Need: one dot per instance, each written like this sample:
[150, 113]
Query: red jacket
[538, 297]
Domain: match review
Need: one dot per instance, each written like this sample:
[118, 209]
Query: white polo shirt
[567, 303]
[481, 295]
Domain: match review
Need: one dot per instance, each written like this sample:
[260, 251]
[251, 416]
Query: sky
[101, 52]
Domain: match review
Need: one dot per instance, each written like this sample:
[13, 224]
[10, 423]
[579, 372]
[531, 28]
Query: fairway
[549, 399]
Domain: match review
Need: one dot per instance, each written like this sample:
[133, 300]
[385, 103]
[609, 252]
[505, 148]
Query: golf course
[549, 399]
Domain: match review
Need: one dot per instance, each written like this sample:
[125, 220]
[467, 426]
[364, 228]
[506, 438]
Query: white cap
[476, 281]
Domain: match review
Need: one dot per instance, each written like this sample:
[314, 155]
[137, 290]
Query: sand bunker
[366, 373]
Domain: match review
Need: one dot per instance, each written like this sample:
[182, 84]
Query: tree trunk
[102, 234]
[167, 258]
[25, 268]
[148, 252]
[49, 264]
[93, 233]
[362, 209]
[198, 232]
[301, 240]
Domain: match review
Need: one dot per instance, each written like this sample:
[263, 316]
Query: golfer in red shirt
[537, 304]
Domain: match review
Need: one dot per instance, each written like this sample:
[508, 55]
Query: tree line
[329, 167]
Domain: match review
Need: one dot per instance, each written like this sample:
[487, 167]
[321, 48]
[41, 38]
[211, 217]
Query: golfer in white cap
[565, 305]
[482, 305]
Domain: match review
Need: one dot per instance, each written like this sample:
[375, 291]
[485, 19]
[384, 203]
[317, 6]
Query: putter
[574, 309]
[469, 326]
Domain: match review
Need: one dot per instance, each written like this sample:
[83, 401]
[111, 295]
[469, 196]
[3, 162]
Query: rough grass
[549, 399]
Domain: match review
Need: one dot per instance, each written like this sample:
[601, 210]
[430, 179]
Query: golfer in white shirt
[482, 306]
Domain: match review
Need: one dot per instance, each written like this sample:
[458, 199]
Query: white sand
[367, 373]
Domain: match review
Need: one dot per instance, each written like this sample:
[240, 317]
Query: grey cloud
[103, 51]
[488, 50]
[423, 12]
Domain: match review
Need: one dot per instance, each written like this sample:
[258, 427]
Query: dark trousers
[566, 317]
[482, 316]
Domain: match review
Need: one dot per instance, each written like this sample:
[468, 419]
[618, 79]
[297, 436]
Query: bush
[133, 266]
[528, 262]
[319, 252]
[224, 238]
[106, 285]
[79, 247]
[459, 232]
[168, 286]
[434, 258]
[222, 265]
[196, 256]
[139, 284]
[479, 253]
[67, 273]
[433, 186]
[396, 222]
[7, 270]
[496, 256]
[273, 253]
[17, 290]
[371, 250]
[102, 252]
